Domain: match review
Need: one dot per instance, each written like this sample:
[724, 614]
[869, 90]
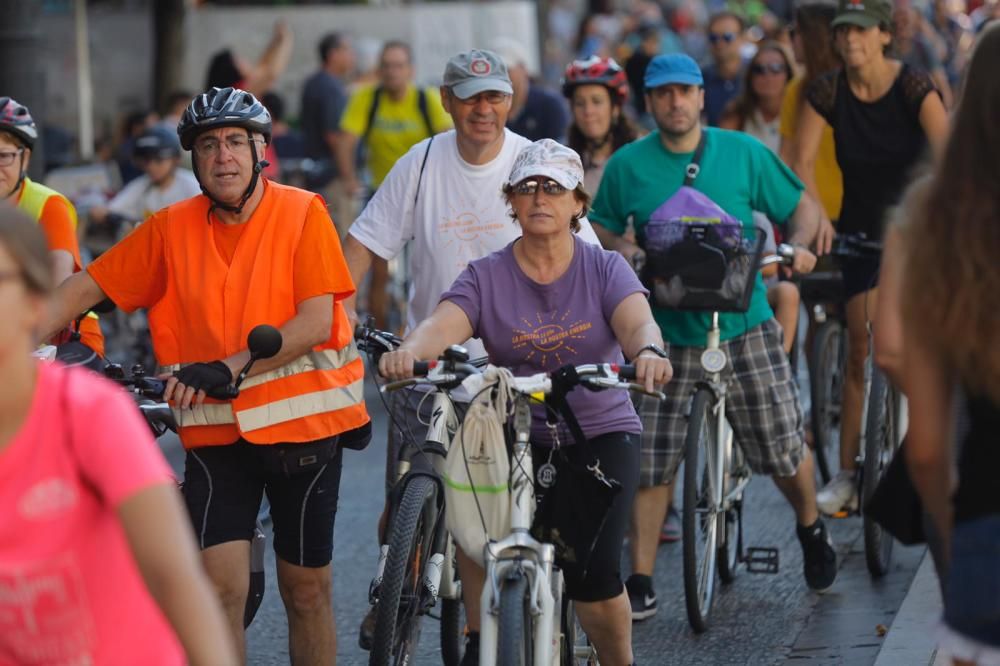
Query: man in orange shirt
[51, 210]
[209, 269]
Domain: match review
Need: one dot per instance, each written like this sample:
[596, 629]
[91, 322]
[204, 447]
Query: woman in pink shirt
[97, 561]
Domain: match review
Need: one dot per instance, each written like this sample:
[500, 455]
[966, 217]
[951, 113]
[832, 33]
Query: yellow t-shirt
[396, 126]
[828, 177]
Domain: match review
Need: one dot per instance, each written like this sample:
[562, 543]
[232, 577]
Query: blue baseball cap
[672, 68]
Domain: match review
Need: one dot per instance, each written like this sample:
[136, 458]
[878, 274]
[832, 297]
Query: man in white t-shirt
[444, 198]
[157, 152]
[459, 213]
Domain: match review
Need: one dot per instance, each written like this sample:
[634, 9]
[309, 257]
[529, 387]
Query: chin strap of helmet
[258, 166]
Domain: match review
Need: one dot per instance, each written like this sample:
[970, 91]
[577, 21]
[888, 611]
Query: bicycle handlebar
[856, 245]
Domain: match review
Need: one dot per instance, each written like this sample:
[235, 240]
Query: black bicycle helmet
[223, 107]
[156, 143]
[226, 107]
[16, 119]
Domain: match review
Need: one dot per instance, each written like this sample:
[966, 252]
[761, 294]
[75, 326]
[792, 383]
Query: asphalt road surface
[759, 619]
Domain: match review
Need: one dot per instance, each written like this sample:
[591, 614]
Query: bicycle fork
[519, 554]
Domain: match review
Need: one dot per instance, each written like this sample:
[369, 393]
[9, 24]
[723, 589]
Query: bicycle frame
[519, 551]
[439, 579]
[713, 361]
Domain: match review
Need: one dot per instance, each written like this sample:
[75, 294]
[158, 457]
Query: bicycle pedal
[762, 560]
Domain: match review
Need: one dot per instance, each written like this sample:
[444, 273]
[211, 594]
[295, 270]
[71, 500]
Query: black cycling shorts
[619, 456]
[223, 486]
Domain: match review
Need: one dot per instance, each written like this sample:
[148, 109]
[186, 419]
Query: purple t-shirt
[531, 327]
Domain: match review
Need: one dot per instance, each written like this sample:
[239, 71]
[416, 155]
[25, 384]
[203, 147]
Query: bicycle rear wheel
[881, 441]
[515, 638]
[574, 647]
[400, 596]
[700, 516]
[826, 376]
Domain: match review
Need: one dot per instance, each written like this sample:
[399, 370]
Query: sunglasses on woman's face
[769, 68]
[716, 37]
[529, 187]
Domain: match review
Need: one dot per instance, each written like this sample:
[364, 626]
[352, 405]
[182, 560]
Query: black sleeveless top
[979, 462]
[878, 143]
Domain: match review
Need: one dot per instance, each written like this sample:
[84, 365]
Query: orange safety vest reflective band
[209, 307]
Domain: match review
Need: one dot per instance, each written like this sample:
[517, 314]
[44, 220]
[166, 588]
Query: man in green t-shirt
[740, 175]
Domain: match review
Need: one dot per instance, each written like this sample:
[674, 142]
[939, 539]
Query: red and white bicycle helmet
[16, 119]
[596, 70]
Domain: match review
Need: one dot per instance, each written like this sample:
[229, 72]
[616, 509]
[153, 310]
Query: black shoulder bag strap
[424, 111]
[376, 98]
[420, 178]
[695, 166]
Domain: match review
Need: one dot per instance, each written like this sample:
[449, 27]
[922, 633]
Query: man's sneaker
[641, 596]
[841, 494]
[366, 633]
[471, 656]
[819, 559]
[671, 530]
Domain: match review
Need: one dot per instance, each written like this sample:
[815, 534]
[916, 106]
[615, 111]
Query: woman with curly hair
[596, 89]
[951, 323]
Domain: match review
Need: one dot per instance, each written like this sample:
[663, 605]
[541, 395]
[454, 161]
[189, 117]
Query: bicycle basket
[704, 267]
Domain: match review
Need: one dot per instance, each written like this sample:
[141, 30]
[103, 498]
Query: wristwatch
[656, 349]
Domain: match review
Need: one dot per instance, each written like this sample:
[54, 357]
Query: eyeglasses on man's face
[492, 97]
[530, 187]
[238, 144]
[7, 157]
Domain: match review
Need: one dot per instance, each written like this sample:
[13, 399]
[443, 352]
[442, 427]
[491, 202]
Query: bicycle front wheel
[452, 632]
[880, 445]
[700, 515]
[515, 644]
[400, 596]
[826, 372]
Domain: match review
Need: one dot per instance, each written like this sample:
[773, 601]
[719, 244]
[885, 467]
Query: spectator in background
[133, 125]
[324, 97]
[597, 90]
[725, 71]
[386, 119]
[228, 70]
[954, 28]
[916, 50]
[812, 41]
[287, 142]
[536, 112]
[157, 153]
[173, 107]
[635, 68]
[756, 110]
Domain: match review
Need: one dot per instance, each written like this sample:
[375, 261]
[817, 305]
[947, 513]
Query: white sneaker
[841, 494]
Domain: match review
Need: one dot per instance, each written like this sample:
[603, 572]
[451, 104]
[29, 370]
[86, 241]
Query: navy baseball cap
[672, 68]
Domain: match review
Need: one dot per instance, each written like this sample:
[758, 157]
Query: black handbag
[896, 505]
[572, 512]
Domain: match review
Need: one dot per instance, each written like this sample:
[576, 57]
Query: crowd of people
[516, 205]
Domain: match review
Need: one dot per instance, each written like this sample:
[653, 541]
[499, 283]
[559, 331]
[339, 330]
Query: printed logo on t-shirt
[47, 499]
[468, 233]
[44, 615]
[549, 339]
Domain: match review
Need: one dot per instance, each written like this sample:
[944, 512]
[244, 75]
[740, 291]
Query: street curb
[911, 638]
